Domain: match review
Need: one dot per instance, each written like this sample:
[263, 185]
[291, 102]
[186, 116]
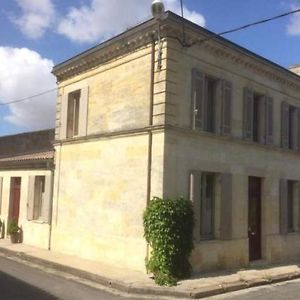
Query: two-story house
[140, 116]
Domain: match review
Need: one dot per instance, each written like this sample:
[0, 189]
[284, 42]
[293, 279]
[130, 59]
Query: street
[289, 290]
[22, 282]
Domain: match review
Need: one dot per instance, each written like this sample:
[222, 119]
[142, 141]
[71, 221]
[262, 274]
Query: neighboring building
[26, 172]
[213, 122]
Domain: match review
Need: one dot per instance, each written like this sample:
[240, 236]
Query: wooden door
[254, 218]
[15, 198]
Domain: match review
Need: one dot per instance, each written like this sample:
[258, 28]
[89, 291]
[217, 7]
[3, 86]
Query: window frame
[38, 199]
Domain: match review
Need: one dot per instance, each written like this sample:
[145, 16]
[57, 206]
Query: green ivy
[168, 228]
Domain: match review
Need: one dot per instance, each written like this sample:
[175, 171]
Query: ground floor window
[39, 191]
[207, 206]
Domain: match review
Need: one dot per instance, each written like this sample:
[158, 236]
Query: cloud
[35, 18]
[102, 19]
[24, 73]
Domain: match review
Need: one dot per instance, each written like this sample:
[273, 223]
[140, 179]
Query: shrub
[168, 228]
[13, 228]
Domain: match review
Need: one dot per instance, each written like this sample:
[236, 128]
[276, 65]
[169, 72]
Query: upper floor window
[258, 117]
[290, 127]
[211, 103]
[73, 114]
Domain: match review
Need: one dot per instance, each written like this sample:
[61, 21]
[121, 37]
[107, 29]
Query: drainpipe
[51, 208]
[150, 137]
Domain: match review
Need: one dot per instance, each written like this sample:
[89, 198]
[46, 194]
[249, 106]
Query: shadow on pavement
[14, 289]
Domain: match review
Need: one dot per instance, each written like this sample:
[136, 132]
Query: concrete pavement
[139, 284]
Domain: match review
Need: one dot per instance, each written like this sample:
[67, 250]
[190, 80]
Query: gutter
[150, 135]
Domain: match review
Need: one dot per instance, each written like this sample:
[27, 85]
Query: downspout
[51, 209]
[150, 137]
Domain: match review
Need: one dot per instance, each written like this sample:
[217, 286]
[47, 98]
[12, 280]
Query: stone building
[189, 114]
[26, 183]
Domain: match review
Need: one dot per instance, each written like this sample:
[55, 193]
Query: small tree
[168, 228]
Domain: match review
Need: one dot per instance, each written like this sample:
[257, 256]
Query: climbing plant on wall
[168, 228]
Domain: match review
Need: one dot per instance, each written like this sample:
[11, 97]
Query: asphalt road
[22, 282]
[289, 290]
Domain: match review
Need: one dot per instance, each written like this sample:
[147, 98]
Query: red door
[15, 198]
[254, 218]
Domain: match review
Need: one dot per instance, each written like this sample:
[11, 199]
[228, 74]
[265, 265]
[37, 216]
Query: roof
[26, 144]
[29, 157]
[169, 17]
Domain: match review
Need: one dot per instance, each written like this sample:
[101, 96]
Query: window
[290, 205]
[290, 127]
[258, 117]
[207, 206]
[211, 194]
[211, 103]
[73, 114]
[39, 192]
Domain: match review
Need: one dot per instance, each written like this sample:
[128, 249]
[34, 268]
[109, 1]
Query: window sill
[38, 222]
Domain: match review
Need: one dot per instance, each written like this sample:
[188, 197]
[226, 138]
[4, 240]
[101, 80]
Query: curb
[202, 292]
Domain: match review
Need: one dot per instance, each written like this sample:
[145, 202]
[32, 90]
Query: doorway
[15, 193]
[254, 218]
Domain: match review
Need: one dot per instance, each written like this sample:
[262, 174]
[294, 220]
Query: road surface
[22, 282]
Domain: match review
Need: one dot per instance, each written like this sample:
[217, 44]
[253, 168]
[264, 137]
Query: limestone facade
[137, 138]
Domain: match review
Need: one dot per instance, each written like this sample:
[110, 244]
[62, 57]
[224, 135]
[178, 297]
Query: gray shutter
[197, 100]
[64, 116]
[298, 130]
[226, 207]
[47, 201]
[1, 188]
[83, 111]
[248, 114]
[283, 206]
[294, 129]
[285, 125]
[269, 120]
[30, 198]
[226, 107]
[195, 196]
[262, 119]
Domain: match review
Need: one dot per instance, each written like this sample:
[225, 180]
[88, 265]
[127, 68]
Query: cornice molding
[171, 27]
[103, 55]
[235, 54]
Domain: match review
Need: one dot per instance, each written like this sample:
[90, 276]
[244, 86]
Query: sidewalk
[139, 284]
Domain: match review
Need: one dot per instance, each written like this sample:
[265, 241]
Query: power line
[183, 43]
[245, 27]
[28, 98]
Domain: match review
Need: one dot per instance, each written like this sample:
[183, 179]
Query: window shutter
[269, 120]
[1, 184]
[248, 114]
[64, 116]
[262, 119]
[283, 207]
[83, 111]
[298, 130]
[47, 201]
[198, 91]
[285, 125]
[30, 199]
[226, 207]
[195, 196]
[226, 108]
